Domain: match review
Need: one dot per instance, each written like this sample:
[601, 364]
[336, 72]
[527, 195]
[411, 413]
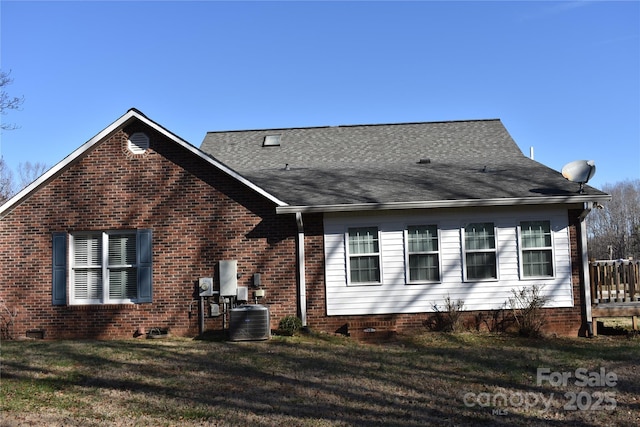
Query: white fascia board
[78, 152]
[107, 132]
[435, 204]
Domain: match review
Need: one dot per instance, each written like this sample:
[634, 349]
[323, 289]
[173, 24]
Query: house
[347, 227]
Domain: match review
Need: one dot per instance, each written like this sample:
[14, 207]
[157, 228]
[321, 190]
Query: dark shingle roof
[389, 163]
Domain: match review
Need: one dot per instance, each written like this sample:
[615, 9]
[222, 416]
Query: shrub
[290, 325]
[526, 306]
[6, 321]
[446, 319]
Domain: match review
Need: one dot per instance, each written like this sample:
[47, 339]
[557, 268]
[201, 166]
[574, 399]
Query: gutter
[586, 279]
[511, 201]
[302, 284]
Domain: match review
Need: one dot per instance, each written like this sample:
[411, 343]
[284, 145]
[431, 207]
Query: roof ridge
[352, 126]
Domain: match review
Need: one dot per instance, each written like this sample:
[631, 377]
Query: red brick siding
[571, 321]
[198, 216]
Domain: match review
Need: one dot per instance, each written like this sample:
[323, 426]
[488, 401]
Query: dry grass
[312, 381]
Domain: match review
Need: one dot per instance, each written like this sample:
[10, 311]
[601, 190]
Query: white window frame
[408, 253]
[466, 251]
[351, 256]
[522, 250]
[103, 266]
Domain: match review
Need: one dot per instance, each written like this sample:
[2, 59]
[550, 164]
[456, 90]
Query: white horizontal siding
[392, 258]
[395, 295]
[334, 258]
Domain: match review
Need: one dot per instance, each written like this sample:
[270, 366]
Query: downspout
[302, 288]
[585, 267]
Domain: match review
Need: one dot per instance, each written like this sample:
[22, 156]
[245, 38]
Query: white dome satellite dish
[580, 171]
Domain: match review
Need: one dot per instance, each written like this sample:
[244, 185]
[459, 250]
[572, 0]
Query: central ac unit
[249, 322]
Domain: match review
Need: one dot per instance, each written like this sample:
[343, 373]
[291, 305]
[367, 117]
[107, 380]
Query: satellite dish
[580, 171]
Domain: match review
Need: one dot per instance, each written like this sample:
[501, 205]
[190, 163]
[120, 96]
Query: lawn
[321, 380]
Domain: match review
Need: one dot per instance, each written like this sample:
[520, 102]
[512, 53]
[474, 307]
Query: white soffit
[435, 204]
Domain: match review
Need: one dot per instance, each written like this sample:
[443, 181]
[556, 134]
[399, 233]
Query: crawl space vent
[138, 143]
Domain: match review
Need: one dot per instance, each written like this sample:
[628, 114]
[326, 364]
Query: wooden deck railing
[615, 281]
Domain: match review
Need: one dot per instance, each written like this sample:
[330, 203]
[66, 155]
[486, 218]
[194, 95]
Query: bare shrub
[6, 321]
[447, 318]
[494, 321]
[526, 306]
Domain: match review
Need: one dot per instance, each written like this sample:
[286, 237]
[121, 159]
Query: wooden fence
[615, 281]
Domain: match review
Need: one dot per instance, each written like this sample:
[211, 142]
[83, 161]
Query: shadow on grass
[316, 380]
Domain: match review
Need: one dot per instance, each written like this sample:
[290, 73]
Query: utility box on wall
[205, 286]
[228, 271]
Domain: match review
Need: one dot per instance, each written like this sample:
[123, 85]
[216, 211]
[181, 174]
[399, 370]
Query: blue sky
[564, 77]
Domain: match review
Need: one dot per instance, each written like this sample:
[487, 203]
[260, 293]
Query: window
[111, 267]
[364, 255]
[480, 251]
[103, 268]
[422, 248]
[536, 249]
[271, 141]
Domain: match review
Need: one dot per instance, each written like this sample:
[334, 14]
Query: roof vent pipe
[531, 152]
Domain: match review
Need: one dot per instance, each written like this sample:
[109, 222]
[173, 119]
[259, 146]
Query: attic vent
[271, 141]
[138, 143]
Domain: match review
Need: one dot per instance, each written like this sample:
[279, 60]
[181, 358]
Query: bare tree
[7, 102]
[6, 182]
[614, 230]
[29, 172]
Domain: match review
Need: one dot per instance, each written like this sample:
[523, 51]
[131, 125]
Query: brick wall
[198, 216]
[572, 321]
[314, 269]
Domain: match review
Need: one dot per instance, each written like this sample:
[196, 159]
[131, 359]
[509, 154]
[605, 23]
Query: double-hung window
[364, 255]
[536, 249]
[109, 267]
[480, 251]
[423, 255]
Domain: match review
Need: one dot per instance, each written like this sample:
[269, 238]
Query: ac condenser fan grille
[249, 323]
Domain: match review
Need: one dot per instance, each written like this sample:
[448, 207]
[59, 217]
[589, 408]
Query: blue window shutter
[144, 254]
[59, 273]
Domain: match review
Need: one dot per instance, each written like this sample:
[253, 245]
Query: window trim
[407, 254]
[349, 256]
[104, 267]
[521, 250]
[463, 241]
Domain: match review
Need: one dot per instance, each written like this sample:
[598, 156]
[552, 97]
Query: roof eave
[125, 119]
[439, 204]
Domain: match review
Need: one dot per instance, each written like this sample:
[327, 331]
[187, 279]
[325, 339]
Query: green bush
[290, 325]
